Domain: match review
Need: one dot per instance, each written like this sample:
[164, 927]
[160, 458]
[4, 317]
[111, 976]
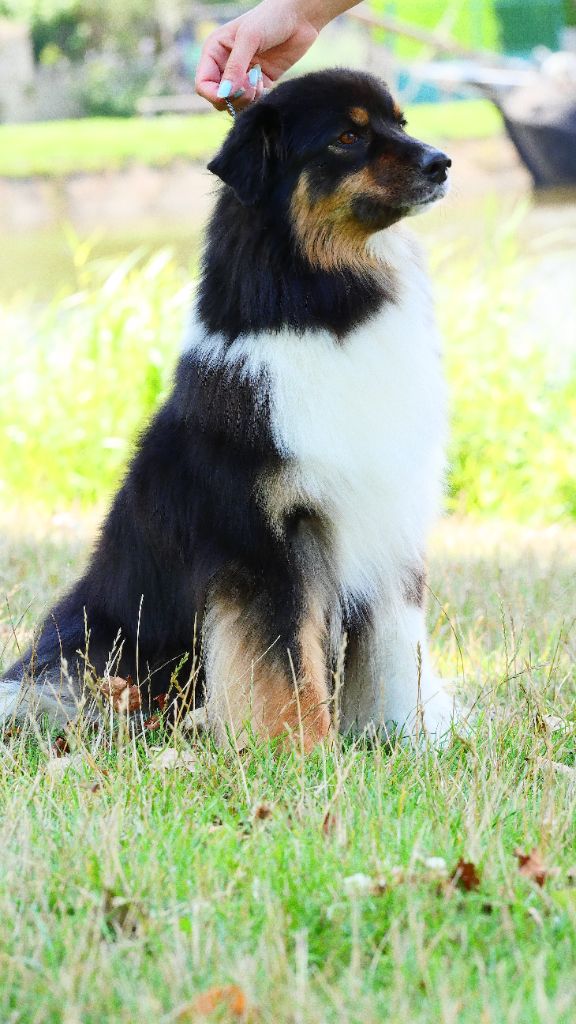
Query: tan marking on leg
[249, 686]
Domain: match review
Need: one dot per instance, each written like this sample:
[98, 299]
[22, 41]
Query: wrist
[316, 13]
[320, 12]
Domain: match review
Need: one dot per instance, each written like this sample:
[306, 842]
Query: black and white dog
[281, 497]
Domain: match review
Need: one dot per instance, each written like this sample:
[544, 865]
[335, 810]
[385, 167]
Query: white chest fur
[363, 423]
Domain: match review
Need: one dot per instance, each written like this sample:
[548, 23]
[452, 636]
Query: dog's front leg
[389, 683]
[266, 668]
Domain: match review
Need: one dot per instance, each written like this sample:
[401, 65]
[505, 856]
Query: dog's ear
[251, 153]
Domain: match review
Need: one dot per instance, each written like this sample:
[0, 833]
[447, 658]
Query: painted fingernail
[239, 92]
[224, 89]
[254, 75]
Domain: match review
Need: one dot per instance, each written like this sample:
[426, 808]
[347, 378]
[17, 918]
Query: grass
[126, 891]
[58, 148]
[320, 888]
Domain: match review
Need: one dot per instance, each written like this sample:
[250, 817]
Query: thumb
[244, 49]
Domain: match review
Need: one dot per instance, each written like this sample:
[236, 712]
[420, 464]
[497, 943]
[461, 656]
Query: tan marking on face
[329, 235]
[360, 116]
[249, 686]
[398, 111]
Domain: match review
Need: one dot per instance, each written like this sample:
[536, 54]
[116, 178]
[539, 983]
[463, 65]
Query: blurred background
[103, 197]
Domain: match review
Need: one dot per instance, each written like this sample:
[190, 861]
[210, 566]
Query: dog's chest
[361, 425]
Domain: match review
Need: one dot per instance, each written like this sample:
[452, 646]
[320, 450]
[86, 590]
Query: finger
[209, 71]
[235, 76]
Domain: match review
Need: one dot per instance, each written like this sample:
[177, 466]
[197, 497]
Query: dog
[273, 519]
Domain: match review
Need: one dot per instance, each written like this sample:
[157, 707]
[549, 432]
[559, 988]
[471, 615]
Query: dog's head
[332, 152]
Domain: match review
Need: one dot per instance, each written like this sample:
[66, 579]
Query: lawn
[271, 889]
[101, 144]
[319, 889]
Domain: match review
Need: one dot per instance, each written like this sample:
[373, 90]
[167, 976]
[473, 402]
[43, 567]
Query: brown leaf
[532, 866]
[465, 876]
[123, 695]
[263, 811]
[226, 997]
[330, 823]
[161, 700]
[60, 746]
[91, 787]
[154, 722]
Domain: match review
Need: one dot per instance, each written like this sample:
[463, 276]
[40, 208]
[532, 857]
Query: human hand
[242, 58]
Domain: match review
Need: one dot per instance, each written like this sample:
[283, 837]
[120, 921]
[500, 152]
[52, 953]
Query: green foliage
[67, 147]
[111, 87]
[97, 144]
[513, 392]
[66, 425]
[61, 34]
[73, 441]
[472, 23]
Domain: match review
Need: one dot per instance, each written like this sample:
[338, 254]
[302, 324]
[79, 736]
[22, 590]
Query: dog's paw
[439, 714]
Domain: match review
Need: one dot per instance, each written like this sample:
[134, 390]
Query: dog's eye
[348, 138]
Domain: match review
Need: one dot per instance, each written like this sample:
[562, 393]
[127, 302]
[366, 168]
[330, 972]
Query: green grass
[126, 891]
[100, 144]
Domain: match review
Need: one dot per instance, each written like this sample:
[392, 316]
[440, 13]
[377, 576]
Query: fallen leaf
[226, 997]
[60, 746]
[152, 723]
[532, 866]
[91, 787]
[123, 695]
[166, 758]
[330, 823]
[465, 876]
[263, 811]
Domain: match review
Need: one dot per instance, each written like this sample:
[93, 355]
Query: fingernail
[254, 75]
[224, 89]
[239, 92]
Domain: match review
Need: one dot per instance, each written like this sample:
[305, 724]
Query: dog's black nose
[435, 165]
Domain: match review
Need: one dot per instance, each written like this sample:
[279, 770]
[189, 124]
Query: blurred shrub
[112, 85]
[84, 375]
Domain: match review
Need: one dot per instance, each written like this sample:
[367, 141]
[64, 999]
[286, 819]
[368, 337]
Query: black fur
[187, 519]
[255, 279]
